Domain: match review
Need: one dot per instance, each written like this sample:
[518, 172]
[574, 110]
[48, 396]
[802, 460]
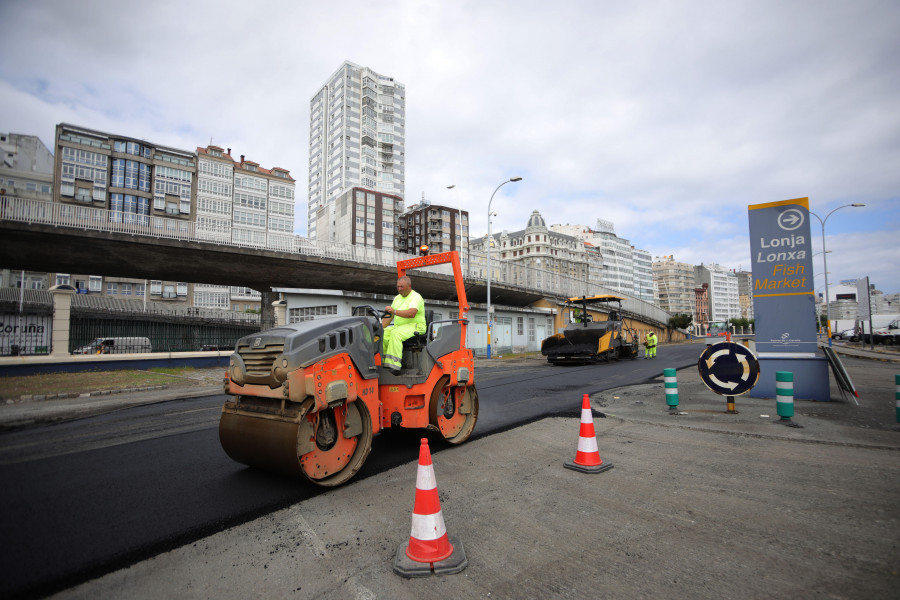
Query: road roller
[307, 398]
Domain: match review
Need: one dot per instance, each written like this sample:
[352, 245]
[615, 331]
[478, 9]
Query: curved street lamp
[459, 247]
[825, 264]
[489, 241]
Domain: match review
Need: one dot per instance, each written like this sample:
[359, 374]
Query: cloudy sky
[666, 118]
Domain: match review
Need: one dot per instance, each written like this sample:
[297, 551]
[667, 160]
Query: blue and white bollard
[672, 390]
[784, 395]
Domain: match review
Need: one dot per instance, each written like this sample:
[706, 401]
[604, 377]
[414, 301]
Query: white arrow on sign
[790, 219]
[729, 384]
[741, 359]
[712, 357]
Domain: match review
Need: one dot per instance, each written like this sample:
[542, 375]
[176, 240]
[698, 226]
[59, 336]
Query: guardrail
[528, 279]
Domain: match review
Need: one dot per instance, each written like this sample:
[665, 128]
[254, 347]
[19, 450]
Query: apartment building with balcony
[240, 202]
[723, 298]
[745, 293]
[538, 247]
[26, 171]
[139, 182]
[674, 284]
[442, 228]
[625, 268]
[357, 138]
[361, 217]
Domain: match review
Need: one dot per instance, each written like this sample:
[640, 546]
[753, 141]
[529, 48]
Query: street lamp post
[459, 223]
[825, 265]
[489, 240]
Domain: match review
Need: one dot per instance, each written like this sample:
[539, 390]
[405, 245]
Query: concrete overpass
[42, 247]
[57, 237]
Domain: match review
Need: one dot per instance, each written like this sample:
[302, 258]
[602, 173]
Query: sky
[667, 118]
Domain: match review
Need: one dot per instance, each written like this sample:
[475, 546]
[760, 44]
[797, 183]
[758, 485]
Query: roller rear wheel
[453, 410]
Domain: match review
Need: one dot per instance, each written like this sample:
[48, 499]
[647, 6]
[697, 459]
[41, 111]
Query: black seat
[418, 340]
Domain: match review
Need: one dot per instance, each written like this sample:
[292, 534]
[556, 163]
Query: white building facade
[537, 247]
[724, 297]
[624, 268]
[26, 171]
[242, 203]
[357, 138]
[674, 282]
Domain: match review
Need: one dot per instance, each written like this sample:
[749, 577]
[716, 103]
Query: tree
[680, 321]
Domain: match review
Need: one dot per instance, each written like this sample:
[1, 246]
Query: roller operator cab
[585, 340]
[307, 398]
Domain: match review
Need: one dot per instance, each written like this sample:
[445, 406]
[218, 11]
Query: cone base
[455, 563]
[571, 464]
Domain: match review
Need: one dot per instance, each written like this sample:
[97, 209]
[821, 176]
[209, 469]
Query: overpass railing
[528, 279]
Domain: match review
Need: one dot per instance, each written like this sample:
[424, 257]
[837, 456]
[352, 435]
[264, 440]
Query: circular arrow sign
[728, 369]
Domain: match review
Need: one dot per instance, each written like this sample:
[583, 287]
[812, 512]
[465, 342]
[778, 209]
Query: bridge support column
[266, 310]
[62, 310]
[280, 308]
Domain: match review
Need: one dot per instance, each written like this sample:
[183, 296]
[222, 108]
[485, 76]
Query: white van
[116, 345]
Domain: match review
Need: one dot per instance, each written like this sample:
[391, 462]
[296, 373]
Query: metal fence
[91, 332]
[26, 322]
[548, 283]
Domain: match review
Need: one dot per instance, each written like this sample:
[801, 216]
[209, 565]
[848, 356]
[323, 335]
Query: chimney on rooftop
[242, 159]
[229, 152]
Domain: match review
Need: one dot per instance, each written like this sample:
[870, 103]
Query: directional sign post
[728, 369]
[784, 301]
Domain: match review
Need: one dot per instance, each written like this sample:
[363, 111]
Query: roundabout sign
[728, 369]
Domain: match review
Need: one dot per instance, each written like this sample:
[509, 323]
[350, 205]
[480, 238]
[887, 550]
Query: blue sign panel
[783, 289]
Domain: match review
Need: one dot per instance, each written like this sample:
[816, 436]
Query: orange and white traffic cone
[587, 459]
[429, 548]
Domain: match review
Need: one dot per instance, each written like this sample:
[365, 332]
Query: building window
[156, 288]
[62, 279]
[308, 313]
[139, 289]
[126, 289]
[530, 329]
[112, 288]
[520, 325]
[182, 289]
[95, 283]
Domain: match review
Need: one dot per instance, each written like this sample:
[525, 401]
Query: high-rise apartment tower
[357, 138]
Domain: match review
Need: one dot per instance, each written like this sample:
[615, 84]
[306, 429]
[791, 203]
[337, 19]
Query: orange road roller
[307, 398]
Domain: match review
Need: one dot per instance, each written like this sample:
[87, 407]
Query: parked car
[847, 334]
[116, 345]
[217, 347]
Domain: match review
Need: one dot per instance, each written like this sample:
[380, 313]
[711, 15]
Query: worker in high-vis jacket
[408, 313]
[650, 345]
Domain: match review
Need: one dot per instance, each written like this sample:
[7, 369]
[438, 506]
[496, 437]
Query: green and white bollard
[784, 398]
[897, 395]
[672, 390]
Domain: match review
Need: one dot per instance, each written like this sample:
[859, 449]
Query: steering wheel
[378, 314]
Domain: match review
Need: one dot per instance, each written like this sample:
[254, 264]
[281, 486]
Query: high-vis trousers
[392, 344]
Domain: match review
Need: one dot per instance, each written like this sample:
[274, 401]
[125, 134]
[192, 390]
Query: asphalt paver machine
[307, 398]
[587, 341]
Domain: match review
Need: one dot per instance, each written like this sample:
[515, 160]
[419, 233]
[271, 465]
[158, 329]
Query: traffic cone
[429, 547]
[587, 459]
